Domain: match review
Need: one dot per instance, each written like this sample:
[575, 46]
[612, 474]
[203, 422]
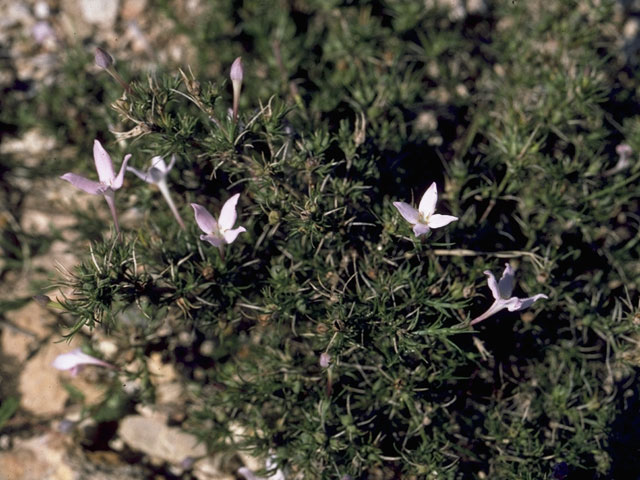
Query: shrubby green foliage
[347, 107]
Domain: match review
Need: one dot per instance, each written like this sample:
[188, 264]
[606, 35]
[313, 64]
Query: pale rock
[34, 318]
[138, 39]
[252, 463]
[100, 12]
[72, 22]
[158, 440]
[476, 7]
[426, 122]
[631, 28]
[455, 8]
[107, 348]
[210, 468]
[16, 13]
[39, 67]
[37, 222]
[52, 456]
[24, 330]
[41, 10]
[32, 143]
[39, 384]
[37, 458]
[169, 393]
[132, 9]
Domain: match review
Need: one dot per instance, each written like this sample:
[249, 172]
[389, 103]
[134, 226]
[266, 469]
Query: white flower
[502, 294]
[423, 219]
[109, 181]
[270, 465]
[157, 175]
[221, 231]
[75, 360]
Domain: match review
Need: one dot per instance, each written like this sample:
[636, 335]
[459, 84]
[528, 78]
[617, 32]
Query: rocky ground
[47, 435]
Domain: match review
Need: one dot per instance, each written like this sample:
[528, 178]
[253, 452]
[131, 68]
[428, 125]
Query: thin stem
[112, 71]
[109, 196]
[237, 86]
[162, 186]
[493, 309]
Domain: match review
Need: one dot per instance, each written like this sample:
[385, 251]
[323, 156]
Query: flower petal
[420, 229]
[204, 219]
[428, 202]
[117, 182]
[144, 176]
[493, 309]
[237, 72]
[505, 285]
[493, 285]
[104, 166]
[409, 213]
[213, 240]
[76, 358]
[158, 162]
[436, 220]
[228, 214]
[231, 235]
[84, 184]
[171, 163]
[523, 303]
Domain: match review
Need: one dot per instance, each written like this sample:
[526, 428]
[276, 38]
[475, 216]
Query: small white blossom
[501, 292]
[423, 219]
[221, 231]
[75, 360]
[270, 465]
[157, 175]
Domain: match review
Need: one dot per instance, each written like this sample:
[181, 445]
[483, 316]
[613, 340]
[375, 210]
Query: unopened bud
[42, 300]
[103, 59]
[325, 359]
[236, 75]
[237, 72]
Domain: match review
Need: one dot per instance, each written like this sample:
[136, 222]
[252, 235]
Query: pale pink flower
[221, 231]
[157, 175]
[501, 292]
[423, 219]
[75, 360]
[108, 183]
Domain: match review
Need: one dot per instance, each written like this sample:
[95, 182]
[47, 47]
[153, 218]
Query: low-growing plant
[345, 331]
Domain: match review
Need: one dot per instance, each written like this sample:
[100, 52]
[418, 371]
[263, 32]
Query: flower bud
[237, 72]
[103, 59]
[236, 75]
[325, 359]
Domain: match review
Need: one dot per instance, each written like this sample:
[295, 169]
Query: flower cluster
[423, 219]
[220, 231]
[502, 295]
[217, 232]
